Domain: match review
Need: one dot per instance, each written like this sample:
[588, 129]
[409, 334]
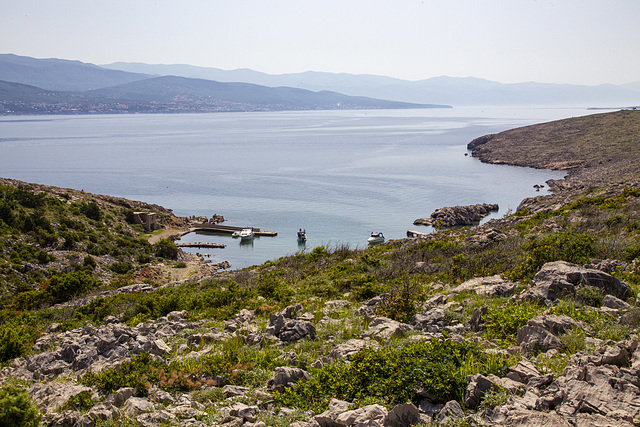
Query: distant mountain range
[42, 86]
[50, 86]
[456, 91]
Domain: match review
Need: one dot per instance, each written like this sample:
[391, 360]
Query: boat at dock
[230, 229]
[246, 234]
[375, 238]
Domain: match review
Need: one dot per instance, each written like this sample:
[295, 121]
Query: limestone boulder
[286, 376]
[351, 347]
[383, 327]
[372, 415]
[405, 415]
[534, 339]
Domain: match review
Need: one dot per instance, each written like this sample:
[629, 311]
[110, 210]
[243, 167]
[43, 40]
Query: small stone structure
[147, 219]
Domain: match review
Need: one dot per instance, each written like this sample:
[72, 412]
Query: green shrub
[270, 286]
[17, 336]
[504, 323]
[318, 253]
[91, 210]
[363, 286]
[16, 409]
[566, 246]
[89, 262]
[121, 267]
[391, 375]
[402, 302]
[165, 248]
[493, 398]
[607, 328]
[137, 373]
[62, 287]
[80, 402]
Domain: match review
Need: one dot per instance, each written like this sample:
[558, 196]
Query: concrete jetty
[230, 229]
[201, 245]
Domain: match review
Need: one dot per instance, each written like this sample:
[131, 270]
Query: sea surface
[338, 174]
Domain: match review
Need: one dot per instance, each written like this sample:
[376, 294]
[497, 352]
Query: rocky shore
[457, 215]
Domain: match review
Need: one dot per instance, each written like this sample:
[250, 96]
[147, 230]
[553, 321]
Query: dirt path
[164, 234]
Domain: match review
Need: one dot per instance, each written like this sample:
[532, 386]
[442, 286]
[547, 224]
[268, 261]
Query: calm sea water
[339, 174]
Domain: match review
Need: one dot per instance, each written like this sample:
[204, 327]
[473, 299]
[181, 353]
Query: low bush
[165, 248]
[402, 302]
[16, 409]
[17, 336]
[64, 286]
[391, 375]
[504, 323]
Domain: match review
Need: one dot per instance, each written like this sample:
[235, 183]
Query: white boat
[302, 235]
[235, 234]
[375, 238]
[246, 234]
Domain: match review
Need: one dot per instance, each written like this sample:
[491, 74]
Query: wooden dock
[201, 245]
[230, 229]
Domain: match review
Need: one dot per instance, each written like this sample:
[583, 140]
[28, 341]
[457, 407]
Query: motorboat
[235, 234]
[375, 238]
[246, 234]
[302, 235]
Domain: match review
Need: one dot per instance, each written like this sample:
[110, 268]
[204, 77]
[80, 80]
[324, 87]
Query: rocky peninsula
[528, 319]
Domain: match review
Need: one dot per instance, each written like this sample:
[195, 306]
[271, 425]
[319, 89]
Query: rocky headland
[529, 319]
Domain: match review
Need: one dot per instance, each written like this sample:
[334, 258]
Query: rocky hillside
[530, 319]
[601, 149]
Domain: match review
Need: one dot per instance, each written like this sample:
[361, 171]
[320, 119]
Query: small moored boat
[302, 235]
[246, 234]
[375, 238]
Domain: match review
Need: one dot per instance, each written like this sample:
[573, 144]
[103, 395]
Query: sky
[510, 41]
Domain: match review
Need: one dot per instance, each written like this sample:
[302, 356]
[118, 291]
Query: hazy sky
[561, 41]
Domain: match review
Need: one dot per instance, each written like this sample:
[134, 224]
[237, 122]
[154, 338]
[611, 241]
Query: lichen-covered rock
[351, 347]
[477, 386]
[386, 328]
[405, 415]
[555, 324]
[559, 278]
[534, 339]
[372, 415]
[137, 405]
[285, 377]
[328, 417]
[53, 395]
[450, 413]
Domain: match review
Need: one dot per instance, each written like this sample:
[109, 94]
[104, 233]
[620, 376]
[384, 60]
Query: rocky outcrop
[457, 215]
[560, 278]
[287, 328]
